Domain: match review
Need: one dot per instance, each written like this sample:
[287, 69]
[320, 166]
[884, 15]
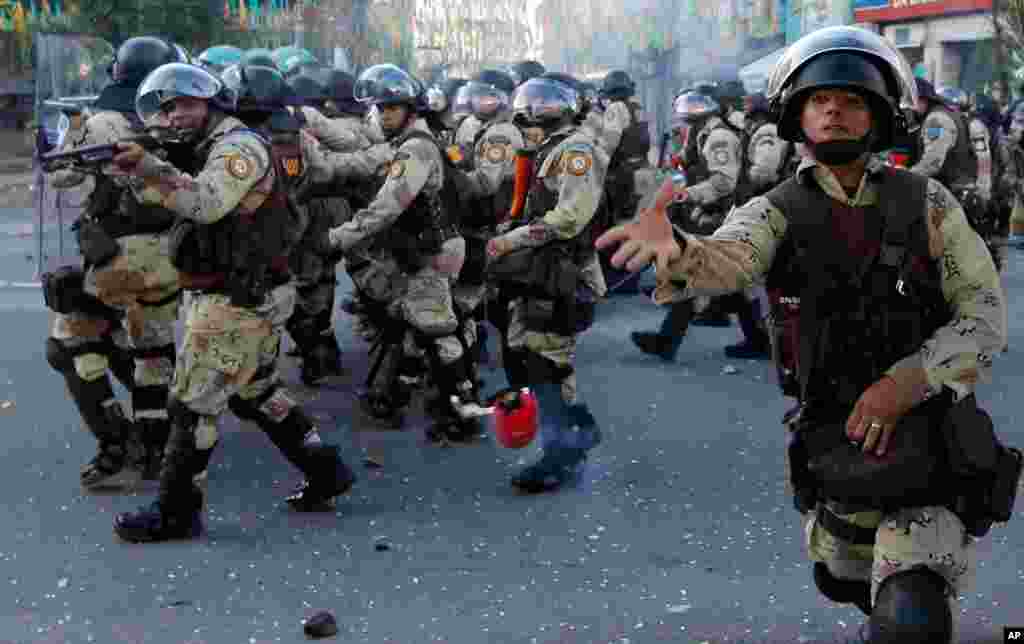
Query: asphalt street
[682, 531]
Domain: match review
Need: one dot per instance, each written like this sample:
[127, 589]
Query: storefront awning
[755, 75]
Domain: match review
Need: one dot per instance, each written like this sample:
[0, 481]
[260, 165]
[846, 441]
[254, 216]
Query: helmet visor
[171, 81]
[483, 100]
[540, 99]
[385, 84]
[691, 106]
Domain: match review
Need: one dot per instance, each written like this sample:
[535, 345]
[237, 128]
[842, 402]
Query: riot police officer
[946, 153]
[231, 247]
[882, 537]
[628, 141]
[119, 316]
[713, 159]
[554, 239]
[408, 232]
[527, 69]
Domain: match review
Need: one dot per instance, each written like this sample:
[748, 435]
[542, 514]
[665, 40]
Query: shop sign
[894, 10]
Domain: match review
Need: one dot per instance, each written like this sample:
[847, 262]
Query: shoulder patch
[238, 166]
[397, 169]
[495, 152]
[577, 163]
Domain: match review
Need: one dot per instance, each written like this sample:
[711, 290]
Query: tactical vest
[116, 209]
[246, 254]
[541, 200]
[960, 168]
[427, 222]
[634, 144]
[857, 310]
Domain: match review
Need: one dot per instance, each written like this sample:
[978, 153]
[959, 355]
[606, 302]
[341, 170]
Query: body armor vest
[426, 224]
[960, 169]
[246, 253]
[634, 144]
[482, 214]
[866, 291]
[117, 211]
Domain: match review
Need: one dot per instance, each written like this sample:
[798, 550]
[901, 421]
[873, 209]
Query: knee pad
[58, 356]
[540, 370]
[911, 608]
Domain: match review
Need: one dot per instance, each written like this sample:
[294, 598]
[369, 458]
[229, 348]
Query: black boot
[842, 591]
[177, 512]
[327, 475]
[756, 344]
[323, 361]
[568, 432]
[452, 381]
[153, 433]
[716, 314]
[119, 452]
[655, 344]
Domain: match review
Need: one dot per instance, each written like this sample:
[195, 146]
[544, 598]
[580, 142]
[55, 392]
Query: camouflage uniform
[422, 299]
[142, 285]
[766, 153]
[721, 152]
[468, 130]
[939, 134]
[958, 356]
[574, 170]
[228, 357]
[312, 324]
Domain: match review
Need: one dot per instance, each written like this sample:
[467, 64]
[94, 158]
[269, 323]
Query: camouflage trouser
[379, 280]
[229, 351]
[930, 536]
[142, 283]
[1017, 216]
[559, 349]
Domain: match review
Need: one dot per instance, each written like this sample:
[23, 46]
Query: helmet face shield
[691, 106]
[171, 81]
[541, 100]
[386, 84]
[484, 101]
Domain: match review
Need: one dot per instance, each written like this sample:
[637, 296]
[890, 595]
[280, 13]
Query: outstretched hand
[645, 239]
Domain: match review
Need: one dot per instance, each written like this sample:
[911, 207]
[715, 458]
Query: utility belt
[246, 288]
[941, 453]
[97, 237]
[549, 281]
[64, 293]
[413, 250]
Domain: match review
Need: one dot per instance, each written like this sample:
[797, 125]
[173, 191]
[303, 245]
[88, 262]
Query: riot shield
[70, 71]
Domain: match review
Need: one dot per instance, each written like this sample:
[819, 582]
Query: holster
[96, 245]
[64, 292]
[548, 271]
[986, 472]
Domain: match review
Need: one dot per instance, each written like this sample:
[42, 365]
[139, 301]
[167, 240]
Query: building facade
[949, 42]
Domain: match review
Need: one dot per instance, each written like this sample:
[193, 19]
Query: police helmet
[259, 88]
[389, 85]
[528, 69]
[218, 58]
[137, 57]
[755, 103]
[183, 55]
[954, 97]
[497, 78]
[926, 91]
[339, 86]
[176, 80]
[297, 61]
[488, 94]
[848, 58]
[258, 56]
[693, 107]
[573, 85]
[544, 102]
[617, 85]
[309, 87]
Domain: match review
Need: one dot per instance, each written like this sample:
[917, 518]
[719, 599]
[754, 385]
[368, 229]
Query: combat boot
[153, 434]
[322, 362]
[119, 455]
[177, 512]
[655, 344]
[327, 475]
[749, 350]
[568, 432]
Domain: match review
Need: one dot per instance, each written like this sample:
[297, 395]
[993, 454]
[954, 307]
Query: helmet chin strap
[841, 152]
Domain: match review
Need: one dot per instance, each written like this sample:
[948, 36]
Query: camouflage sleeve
[767, 152]
[579, 176]
[722, 152]
[982, 149]
[959, 355]
[939, 132]
[99, 129]
[734, 258]
[495, 160]
[333, 134]
[415, 161]
[616, 121]
[326, 166]
[237, 163]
